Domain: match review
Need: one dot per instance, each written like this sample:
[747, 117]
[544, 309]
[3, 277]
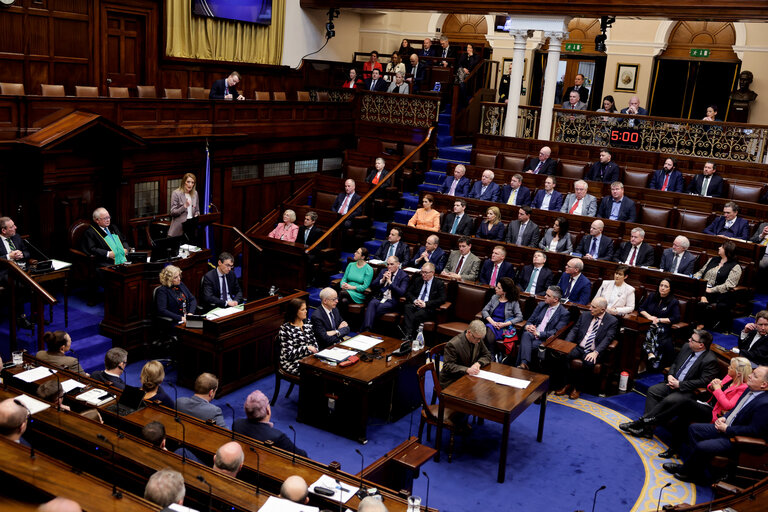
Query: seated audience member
[154, 433]
[220, 286]
[393, 247]
[357, 278]
[593, 332]
[634, 108]
[378, 172]
[295, 489]
[199, 405]
[557, 238]
[516, 193]
[406, 50]
[761, 237]
[677, 259]
[427, 50]
[523, 231]
[548, 198]
[257, 424]
[426, 217]
[462, 265]
[396, 65]
[618, 206]
[371, 64]
[446, 52]
[663, 309]
[51, 391]
[418, 74]
[115, 361]
[753, 340]
[485, 189]
[548, 318]
[327, 324]
[595, 246]
[579, 202]
[457, 184]
[13, 246]
[225, 88]
[694, 367]
[371, 504]
[424, 295]
[722, 274]
[185, 204]
[667, 178]
[296, 337]
[13, 421]
[575, 285]
[605, 170]
[59, 343]
[711, 114]
[173, 299]
[574, 102]
[399, 85]
[152, 376]
[229, 459]
[618, 294]
[501, 314]
[429, 252]
[635, 252]
[165, 488]
[535, 278]
[609, 107]
[543, 164]
[707, 184]
[491, 228]
[104, 241]
[353, 82]
[376, 83]
[578, 86]
[457, 222]
[59, 504]
[346, 200]
[309, 233]
[465, 354]
[730, 224]
[387, 288]
[494, 268]
[286, 230]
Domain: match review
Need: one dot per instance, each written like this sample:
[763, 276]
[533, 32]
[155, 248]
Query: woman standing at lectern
[184, 204]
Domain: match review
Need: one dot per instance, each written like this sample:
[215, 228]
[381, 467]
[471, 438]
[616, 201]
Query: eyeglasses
[229, 265]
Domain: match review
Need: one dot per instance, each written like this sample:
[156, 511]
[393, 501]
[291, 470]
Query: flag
[207, 193]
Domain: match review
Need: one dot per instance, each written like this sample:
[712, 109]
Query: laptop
[131, 400]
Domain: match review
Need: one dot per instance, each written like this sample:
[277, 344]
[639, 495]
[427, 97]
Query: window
[277, 169]
[146, 198]
[331, 164]
[245, 172]
[171, 186]
[305, 166]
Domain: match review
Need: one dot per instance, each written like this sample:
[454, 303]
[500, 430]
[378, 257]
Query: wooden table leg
[504, 447]
[439, 432]
[542, 412]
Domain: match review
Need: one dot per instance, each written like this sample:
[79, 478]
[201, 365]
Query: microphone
[293, 460]
[594, 500]
[77, 363]
[58, 387]
[361, 493]
[183, 440]
[661, 491]
[211, 204]
[117, 494]
[258, 464]
[210, 490]
[175, 400]
[426, 505]
[35, 248]
[341, 494]
[233, 419]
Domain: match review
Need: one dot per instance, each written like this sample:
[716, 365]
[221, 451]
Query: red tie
[344, 206]
[666, 182]
[632, 259]
[376, 178]
[494, 275]
[458, 267]
[575, 205]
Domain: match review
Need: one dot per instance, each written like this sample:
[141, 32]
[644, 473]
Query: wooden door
[126, 51]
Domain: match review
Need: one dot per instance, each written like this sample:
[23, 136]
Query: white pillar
[550, 83]
[515, 82]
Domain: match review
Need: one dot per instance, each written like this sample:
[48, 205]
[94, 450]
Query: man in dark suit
[576, 286]
[14, 418]
[635, 252]
[378, 172]
[535, 278]
[224, 89]
[465, 354]
[523, 231]
[427, 50]
[618, 206]
[257, 424]
[418, 72]
[13, 248]
[347, 200]
[393, 247]
[707, 184]
[485, 188]
[668, 178]
[753, 341]
[730, 224]
[115, 361]
[542, 165]
[103, 240]
[376, 83]
[387, 287]
[595, 245]
[548, 318]
[548, 198]
[457, 222]
[327, 324]
[430, 252]
[634, 108]
[220, 288]
[494, 268]
[445, 51]
[456, 185]
[199, 405]
[578, 86]
[593, 332]
[424, 295]
[605, 170]
[677, 259]
[694, 368]
[516, 193]
[309, 233]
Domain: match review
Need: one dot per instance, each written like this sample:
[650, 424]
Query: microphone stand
[341, 495]
[233, 419]
[58, 388]
[661, 491]
[175, 400]
[210, 490]
[27, 242]
[361, 492]
[117, 494]
[426, 506]
[594, 500]
[258, 465]
[293, 459]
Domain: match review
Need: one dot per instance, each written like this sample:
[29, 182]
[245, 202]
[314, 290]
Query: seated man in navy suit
[753, 340]
[387, 287]
[535, 278]
[677, 259]
[418, 73]
[604, 170]
[220, 288]
[707, 184]
[494, 268]
[516, 193]
[548, 198]
[635, 252]
[618, 206]
[634, 108]
[258, 425]
[327, 324]
[376, 83]
[730, 224]
[424, 295]
[548, 318]
[394, 246]
[458, 184]
[346, 201]
[199, 405]
[457, 222]
[225, 88]
[485, 189]
[575, 285]
[429, 252]
[668, 178]
[115, 361]
[595, 245]
[543, 164]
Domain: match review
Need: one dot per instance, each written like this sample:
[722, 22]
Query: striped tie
[589, 341]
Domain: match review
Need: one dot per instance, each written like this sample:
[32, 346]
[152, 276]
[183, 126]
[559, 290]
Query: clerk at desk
[220, 288]
[104, 241]
[13, 247]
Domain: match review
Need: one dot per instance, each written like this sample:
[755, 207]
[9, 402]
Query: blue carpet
[439, 165]
[403, 216]
[426, 187]
[380, 229]
[455, 153]
[410, 201]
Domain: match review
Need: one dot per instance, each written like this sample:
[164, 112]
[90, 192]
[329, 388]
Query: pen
[342, 488]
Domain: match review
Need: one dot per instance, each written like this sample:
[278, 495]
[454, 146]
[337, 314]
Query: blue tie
[455, 225]
[593, 249]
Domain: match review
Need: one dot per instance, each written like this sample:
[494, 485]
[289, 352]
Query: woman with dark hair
[173, 298]
[711, 113]
[152, 376]
[620, 295]
[295, 336]
[609, 106]
[395, 66]
[501, 314]
[357, 278]
[467, 62]
[353, 82]
[663, 309]
[491, 228]
[722, 274]
[373, 63]
[405, 50]
[425, 217]
[557, 238]
[59, 343]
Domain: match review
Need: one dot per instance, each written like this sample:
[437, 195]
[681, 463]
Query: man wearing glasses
[220, 286]
[424, 295]
[327, 324]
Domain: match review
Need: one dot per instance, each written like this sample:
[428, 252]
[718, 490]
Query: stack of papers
[361, 342]
[35, 374]
[504, 380]
[69, 385]
[58, 264]
[374, 261]
[32, 404]
[341, 493]
[96, 397]
[275, 504]
[335, 354]
[222, 312]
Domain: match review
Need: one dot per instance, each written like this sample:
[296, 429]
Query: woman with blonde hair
[173, 299]
[288, 230]
[152, 375]
[184, 204]
[491, 228]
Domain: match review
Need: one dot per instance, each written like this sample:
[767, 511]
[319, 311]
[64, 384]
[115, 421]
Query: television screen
[501, 23]
[252, 11]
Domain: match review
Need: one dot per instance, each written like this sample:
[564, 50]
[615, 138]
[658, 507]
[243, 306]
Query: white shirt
[579, 209]
[190, 207]
[545, 202]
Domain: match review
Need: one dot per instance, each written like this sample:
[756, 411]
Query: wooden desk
[397, 468]
[340, 399]
[495, 402]
[55, 275]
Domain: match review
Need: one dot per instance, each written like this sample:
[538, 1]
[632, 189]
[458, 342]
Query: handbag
[508, 338]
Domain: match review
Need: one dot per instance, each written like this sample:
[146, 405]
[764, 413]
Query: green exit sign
[573, 47]
[700, 52]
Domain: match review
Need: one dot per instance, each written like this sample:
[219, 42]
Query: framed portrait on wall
[626, 77]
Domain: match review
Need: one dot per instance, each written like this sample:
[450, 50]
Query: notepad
[361, 342]
[222, 312]
[35, 374]
[96, 397]
[335, 354]
[275, 504]
[69, 385]
[32, 404]
[341, 493]
[504, 380]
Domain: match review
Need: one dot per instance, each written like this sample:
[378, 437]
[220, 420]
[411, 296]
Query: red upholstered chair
[693, 221]
[52, 90]
[572, 170]
[746, 192]
[633, 178]
[654, 216]
[86, 91]
[469, 301]
[196, 93]
[146, 91]
[357, 173]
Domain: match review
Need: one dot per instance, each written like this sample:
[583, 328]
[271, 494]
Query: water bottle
[272, 290]
[418, 343]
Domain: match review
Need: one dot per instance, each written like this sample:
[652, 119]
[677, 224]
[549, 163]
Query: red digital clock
[625, 137]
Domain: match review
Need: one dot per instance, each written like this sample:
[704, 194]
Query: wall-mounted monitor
[251, 11]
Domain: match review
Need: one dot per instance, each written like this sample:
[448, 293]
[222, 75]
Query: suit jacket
[582, 288]
[201, 409]
[18, 242]
[466, 224]
[462, 189]
[557, 321]
[403, 88]
[555, 202]
[491, 192]
[459, 355]
[547, 167]
[437, 294]
[686, 265]
[265, 432]
[531, 234]
[372, 174]
[605, 333]
[438, 257]
[739, 229]
[381, 84]
[583, 93]
[469, 269]
[93, 243]
[715, 188]
[486, 271]
[643, 258]
[168, 302]
[578, 106]
[627, 209]
[700, 374]
[523, 195]
[179, 211]
[211, 290]
[590, 204]
[218, 90]
[640, 111]
[752, 420]
[450, 54]
[758, 354]
[419, 76]
[487, 232]
[610, 173]
[676, 181]
[543, 282]
[564, 244]
[624, 303]
[402, 251]
[604, 252]
[106, 378]
[353, 201]
[314, 234]
[321, 325]
[398, 286]
[432, 52]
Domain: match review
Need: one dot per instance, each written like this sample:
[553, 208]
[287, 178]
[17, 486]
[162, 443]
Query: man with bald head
[544, 164]
[346, 200]
[60, 505]
[229, 459]
[295, 489]
[596, 246]
[13, 421]
[257, 424]
[634, 107]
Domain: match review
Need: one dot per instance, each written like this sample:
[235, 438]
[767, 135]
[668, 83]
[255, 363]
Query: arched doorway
[468, 28]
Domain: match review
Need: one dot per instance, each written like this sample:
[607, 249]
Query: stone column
[550, 82]
[515, 82]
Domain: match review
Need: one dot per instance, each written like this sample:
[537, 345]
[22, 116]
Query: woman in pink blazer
[286, 230]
